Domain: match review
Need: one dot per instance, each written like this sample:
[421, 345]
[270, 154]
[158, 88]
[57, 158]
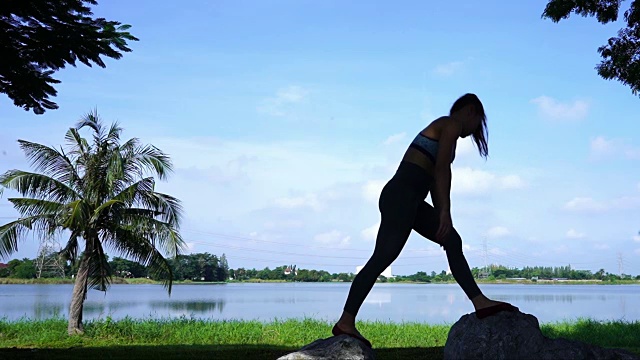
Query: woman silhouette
[426, 166]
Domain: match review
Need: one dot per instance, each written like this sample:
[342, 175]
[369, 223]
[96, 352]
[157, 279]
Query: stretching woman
[426, 165]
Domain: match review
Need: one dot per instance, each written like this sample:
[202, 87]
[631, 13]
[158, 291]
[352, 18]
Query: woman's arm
[442, 190]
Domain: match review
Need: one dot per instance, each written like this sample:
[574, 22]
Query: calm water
[386, 302]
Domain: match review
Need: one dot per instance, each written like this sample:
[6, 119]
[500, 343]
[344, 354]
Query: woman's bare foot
[481, 302]
[348, 329]
[347, 325]
[486, 307]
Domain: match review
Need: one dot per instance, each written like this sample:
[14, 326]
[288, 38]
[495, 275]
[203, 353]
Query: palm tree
[96, 192]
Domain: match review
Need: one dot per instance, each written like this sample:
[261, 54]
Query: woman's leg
[389, 243]
[426, 224]
[398, 207]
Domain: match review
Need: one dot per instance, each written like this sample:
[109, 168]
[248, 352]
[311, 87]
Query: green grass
[195, 338]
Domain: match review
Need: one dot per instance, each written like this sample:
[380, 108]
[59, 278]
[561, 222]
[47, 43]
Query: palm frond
[153, 159]
[12, 232]
[133, 245]
[169, 206]
[79, 215]
[79, 145]
[133, 193]
[32, 207]
[37, 186]
[113, 136]
[70, 251]
[99, 270]
[115, 171]
[92, 121]
[162, 235]
[130, 212]
[131, 167]
[105, 207]
[50, 161]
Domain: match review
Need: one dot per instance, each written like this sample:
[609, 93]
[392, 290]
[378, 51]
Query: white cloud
[497, 232]
[496, 251]
[556, 110]
[333, 238]
[283, 224]
[292, 94]
[466, 180]
[584, 204]
[190, 247]
[512, 182]
[371, 190]
[448, 68]
[573, 234]
[253, 234]
[280, 104]
[587, 204]
[395, 138]
[371, 232]
[465, 147]
[469, 181]
[637, 251]
[636, 238]
[601, 147]
[308, 200]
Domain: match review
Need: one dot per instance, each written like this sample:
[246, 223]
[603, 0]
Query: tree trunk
[78, 297]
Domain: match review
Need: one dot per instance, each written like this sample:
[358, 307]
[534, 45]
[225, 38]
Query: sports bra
[427, 146]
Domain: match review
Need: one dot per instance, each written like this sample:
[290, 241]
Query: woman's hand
[444, 228]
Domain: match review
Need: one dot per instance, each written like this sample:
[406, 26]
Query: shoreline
[143, 281]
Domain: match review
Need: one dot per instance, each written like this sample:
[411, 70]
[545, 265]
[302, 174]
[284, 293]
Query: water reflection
[191, 306]
[378, 298]
[386, 302]
[554, 298]
[45, 310]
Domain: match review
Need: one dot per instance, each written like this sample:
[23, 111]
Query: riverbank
[118, 280]
[115, 280]
[194, 338]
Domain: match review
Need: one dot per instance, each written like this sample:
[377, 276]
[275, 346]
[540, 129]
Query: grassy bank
[192, 338]
[115, 280]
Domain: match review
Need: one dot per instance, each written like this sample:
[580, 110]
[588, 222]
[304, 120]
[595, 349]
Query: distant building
[3, 265]
[386, 273]
[290, 270]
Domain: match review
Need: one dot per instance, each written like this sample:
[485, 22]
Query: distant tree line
[547, 273]
[208, 267]
[194, 267]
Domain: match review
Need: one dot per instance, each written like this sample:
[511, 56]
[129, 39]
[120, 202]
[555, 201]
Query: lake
[428, 303]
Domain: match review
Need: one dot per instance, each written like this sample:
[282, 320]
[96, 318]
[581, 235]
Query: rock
[515, 335]
[341, 347]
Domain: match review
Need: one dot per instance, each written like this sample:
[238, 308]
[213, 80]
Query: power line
[298, 254]
[314, 247]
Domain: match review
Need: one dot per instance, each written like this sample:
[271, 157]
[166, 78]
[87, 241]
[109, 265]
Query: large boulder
[342, 347]
[515, 335]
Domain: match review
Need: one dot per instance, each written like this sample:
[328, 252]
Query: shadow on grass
[218, 352]
[610, 334]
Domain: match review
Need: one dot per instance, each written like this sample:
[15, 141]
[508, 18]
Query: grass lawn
[187, 338]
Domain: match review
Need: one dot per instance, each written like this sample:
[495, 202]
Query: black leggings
[403, 208]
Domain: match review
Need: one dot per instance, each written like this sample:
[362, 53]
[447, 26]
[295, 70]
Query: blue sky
[285, 118]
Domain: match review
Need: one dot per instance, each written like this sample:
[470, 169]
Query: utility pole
[48, 260]
[620, 264]
[484, 256]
